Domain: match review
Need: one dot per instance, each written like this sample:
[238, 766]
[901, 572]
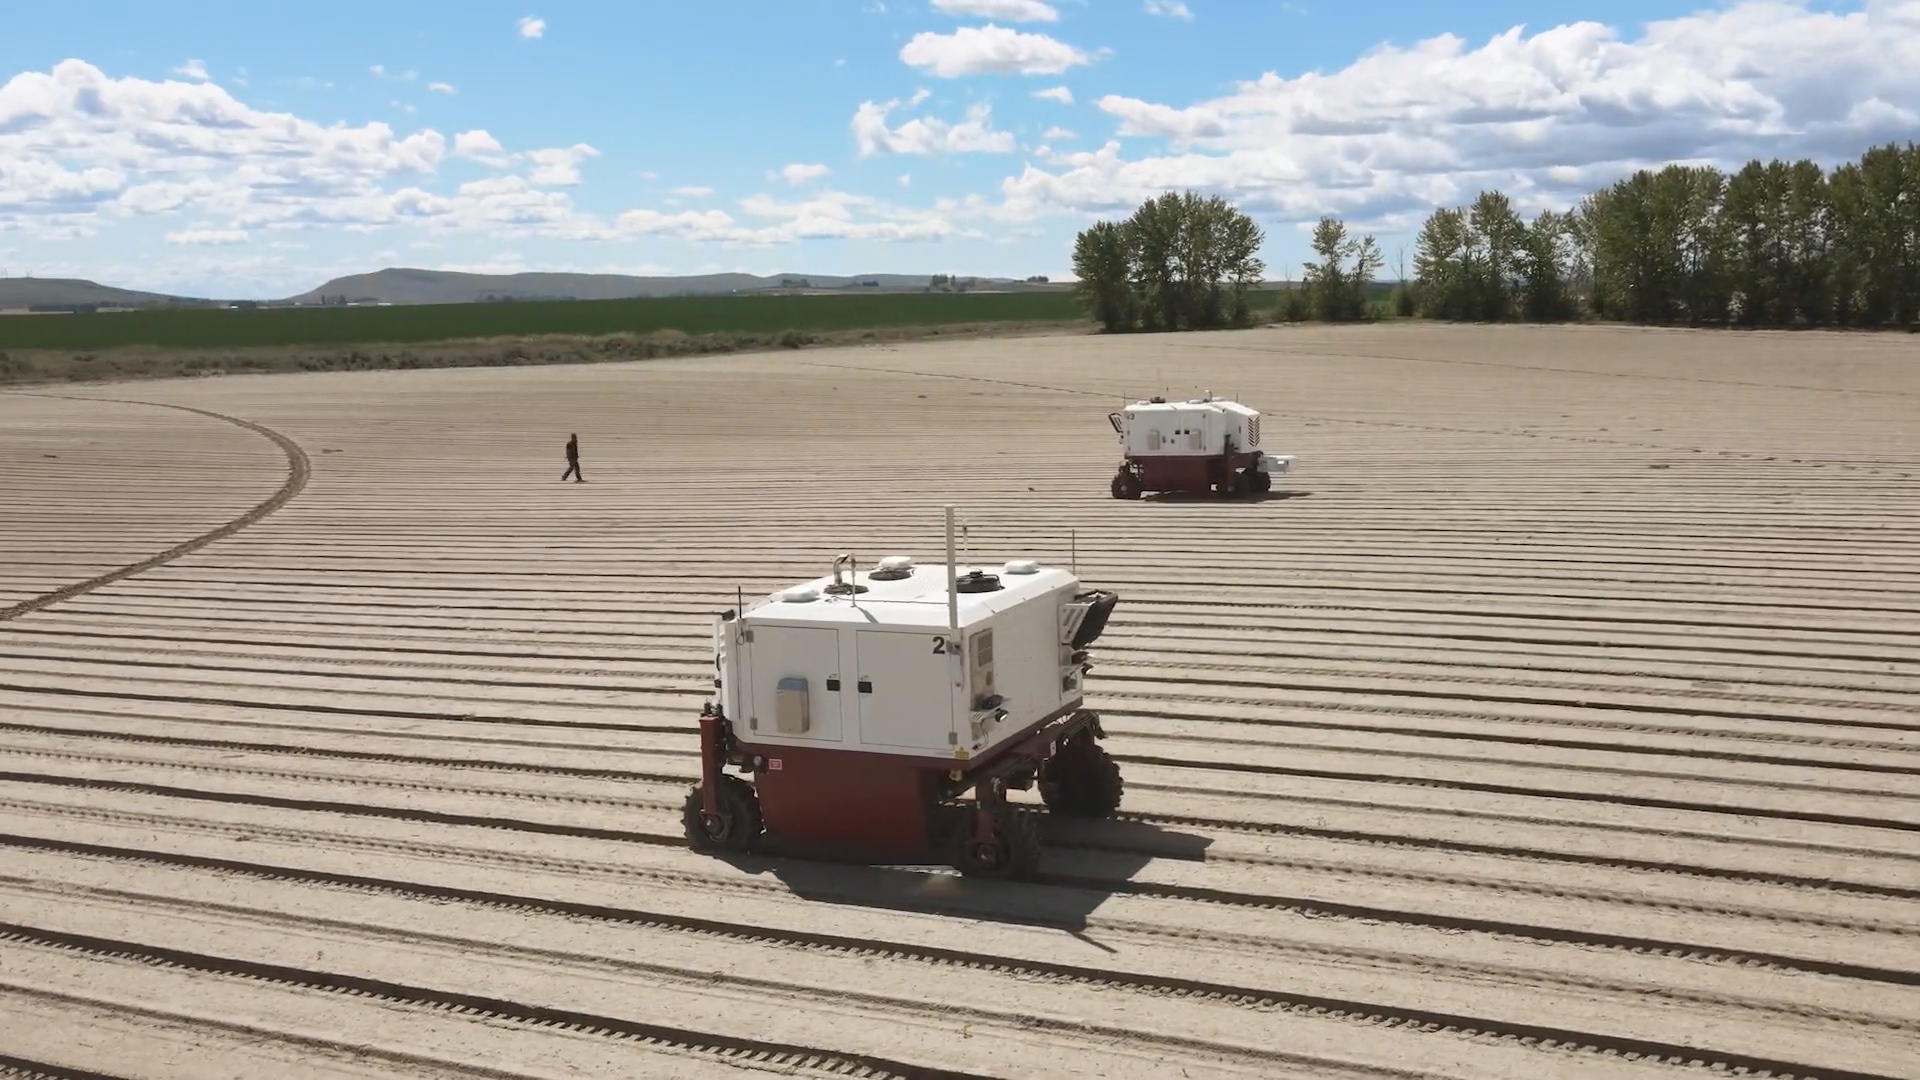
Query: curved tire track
[299, 470]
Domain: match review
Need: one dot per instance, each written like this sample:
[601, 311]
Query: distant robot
[864, 705]
[1193, 446]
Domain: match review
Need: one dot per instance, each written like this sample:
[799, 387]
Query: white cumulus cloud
[1055, 93]
[1544, 117]
[926, 135]
[207, 237]
[1010, 10]
[989, 50]
[530, 27]
[560, 166]
[1172, 9]
[800, 174]
[822, 215]
[481, 146]
[193, 69]
[440, 88]
[81, 150]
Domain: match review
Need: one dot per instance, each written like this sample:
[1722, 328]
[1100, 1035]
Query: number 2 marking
[939, 646]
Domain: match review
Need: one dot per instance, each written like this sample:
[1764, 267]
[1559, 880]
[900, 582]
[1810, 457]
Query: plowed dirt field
[1560, 717]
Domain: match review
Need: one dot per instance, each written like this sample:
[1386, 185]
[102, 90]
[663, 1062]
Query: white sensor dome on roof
[1021, 566]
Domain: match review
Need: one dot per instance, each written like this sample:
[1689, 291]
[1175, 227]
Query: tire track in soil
[1254, 998]
[1610, 726]
[1390, 780]
[1399, 842]
[509, 766]
[604, 773]
[413, 1066]
[1114, 886]
[1753, 673]
[706, 1043]
[1509, 971]
[1622, 896]
[1155, 659]
[299, 471]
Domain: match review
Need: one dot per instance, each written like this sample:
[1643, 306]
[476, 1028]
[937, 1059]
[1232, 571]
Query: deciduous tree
[1180, 261]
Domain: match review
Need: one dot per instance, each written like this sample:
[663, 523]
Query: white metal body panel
[1277, 464]
[918, 697]
[905, 698]
[1186, 428]
[1027, 676]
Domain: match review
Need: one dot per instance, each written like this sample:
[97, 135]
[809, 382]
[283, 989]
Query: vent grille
[1253, 432]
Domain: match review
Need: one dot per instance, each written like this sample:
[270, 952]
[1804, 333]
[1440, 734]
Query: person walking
[573, 461]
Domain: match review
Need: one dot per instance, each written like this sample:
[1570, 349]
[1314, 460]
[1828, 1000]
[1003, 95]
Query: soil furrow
[981, 977]
[1580, 933]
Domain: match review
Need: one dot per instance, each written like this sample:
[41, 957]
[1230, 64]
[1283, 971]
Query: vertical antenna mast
[953, 592]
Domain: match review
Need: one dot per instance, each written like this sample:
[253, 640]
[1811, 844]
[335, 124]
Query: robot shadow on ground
[1211, 497]
[1086, 862]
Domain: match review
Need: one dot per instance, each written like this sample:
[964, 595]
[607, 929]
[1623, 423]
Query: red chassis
[880, 808]
[1231, 473]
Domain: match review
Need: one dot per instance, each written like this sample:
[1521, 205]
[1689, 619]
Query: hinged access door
[795, 652]
[905, 690]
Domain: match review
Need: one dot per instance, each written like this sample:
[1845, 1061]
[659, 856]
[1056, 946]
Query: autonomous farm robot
[864, 705]
[1197, 445]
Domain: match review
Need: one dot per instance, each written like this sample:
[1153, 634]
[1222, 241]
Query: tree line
[1180, 262]
[1774, 243]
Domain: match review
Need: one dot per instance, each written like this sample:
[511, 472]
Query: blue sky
[239, 150]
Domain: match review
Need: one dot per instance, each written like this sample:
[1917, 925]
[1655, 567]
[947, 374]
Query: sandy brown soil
[1560, 719]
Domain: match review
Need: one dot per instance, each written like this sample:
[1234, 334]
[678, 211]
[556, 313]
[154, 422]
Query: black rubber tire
[1124, 486]
[1082, 781]
[1259, 482]
[1016, 856]
[740, 821]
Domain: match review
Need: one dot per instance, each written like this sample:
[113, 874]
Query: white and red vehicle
[1197, 445]
[865, 704]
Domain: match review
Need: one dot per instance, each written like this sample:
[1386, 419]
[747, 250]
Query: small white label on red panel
[773, 764]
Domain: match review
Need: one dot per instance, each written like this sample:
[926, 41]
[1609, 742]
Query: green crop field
[187, 328]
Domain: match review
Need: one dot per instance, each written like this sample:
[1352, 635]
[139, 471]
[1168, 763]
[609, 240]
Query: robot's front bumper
[1278, 464]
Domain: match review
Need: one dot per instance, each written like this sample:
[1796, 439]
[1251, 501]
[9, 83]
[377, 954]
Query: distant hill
[25, 292]
[398, 285]
[408, 286]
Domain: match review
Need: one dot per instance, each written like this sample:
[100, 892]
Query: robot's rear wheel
[1012, 854]
[1259, 481]
[736, 828]
[1125, 485]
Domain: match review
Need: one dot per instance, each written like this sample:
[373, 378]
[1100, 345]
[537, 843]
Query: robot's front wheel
[1012, 852]
[1082, 780]
[735, 828]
